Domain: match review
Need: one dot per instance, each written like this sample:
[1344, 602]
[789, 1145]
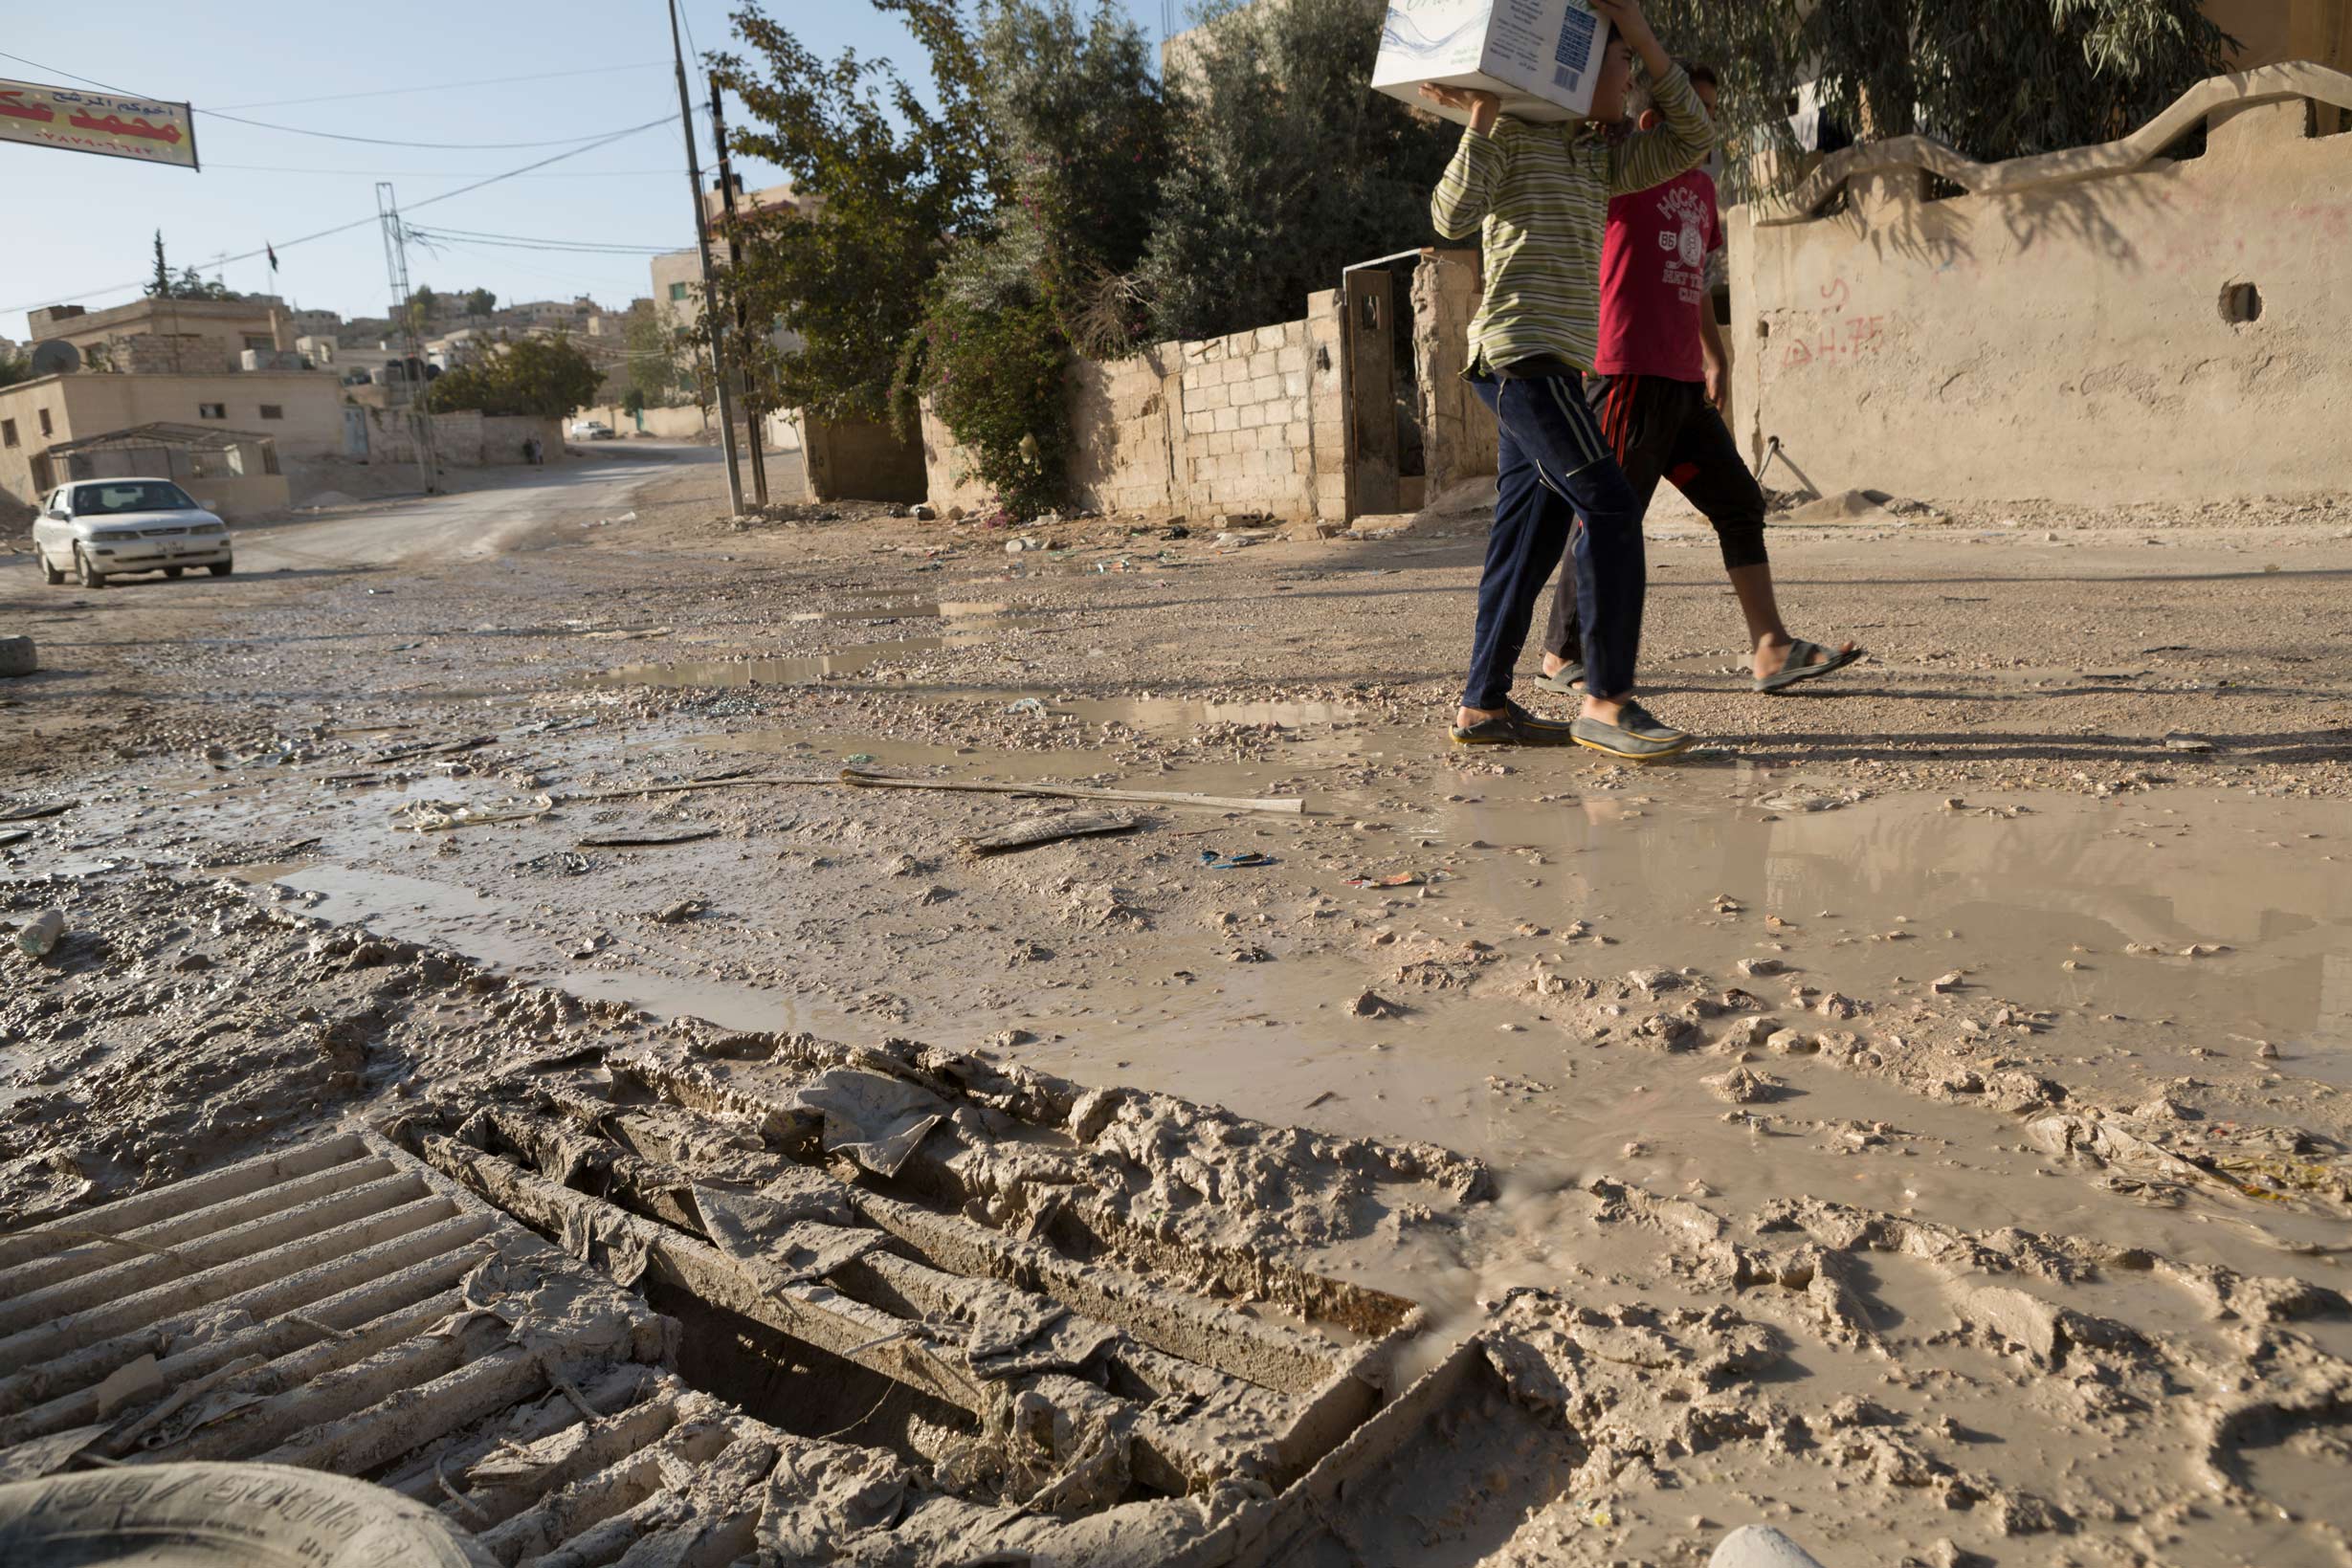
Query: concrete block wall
[1247, 441]
[1250, 422]
[1121, 415]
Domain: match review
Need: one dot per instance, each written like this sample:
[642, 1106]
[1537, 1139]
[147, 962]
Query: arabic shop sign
[98, 121]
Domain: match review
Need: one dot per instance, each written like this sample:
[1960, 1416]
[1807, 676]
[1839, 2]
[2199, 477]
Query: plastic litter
[1025, 705]
[41, 933]
[1245, 860]
[1396, 879]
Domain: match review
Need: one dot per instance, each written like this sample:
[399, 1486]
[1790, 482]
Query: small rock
[1372, 1004]
[1755, 968]
[1654, 981]
[678, 913]
[1952, 982]
[1759, 1546]
[923, 514]
[1835, 1005]
[1744, 1086]
[1791, 1043]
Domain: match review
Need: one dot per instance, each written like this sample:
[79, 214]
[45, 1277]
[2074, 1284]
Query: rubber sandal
[1799, 669]
[1243, 861]
[1569, 681]
[1516, 726]
[1637, 737]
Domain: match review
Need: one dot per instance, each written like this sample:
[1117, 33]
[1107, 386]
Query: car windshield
[106, 500]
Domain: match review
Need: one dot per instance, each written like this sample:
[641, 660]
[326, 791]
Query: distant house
[205, 365]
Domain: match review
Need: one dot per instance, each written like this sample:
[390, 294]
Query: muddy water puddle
[962, 625]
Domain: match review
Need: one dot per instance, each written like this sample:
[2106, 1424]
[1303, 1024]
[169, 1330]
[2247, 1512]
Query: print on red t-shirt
[1654, 276]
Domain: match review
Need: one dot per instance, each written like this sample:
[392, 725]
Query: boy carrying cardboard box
[1537, 196]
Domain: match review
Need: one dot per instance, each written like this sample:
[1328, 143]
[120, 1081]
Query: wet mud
[1944, 1159]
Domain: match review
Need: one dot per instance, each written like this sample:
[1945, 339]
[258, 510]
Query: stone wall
[502, 436]
[1248, 419]
[2101, 325]
[684, 424]
[1458, 433]
[1247, 423]
[952, 481]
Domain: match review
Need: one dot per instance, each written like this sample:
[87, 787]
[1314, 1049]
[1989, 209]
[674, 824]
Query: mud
[1916, 1123]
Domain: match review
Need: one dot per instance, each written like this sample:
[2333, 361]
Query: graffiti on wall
[1840, 334]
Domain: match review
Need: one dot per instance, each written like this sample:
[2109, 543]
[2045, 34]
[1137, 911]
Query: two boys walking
[1595, 244]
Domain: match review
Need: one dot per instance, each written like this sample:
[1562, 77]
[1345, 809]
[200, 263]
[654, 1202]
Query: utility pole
[396, 273]
[743, 330]
[702, 243]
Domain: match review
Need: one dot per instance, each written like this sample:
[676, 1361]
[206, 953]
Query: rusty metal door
[1371, 378]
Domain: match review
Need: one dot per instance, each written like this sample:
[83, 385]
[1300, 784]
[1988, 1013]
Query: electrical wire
[356, 223]
[387, 141]
[430, 236]
[210, 167]
[445, 86]
[536, 239]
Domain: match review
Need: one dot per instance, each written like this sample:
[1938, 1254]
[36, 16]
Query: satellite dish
[56, 357]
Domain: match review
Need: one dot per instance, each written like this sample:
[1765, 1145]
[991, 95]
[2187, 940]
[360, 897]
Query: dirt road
[1975, 1025]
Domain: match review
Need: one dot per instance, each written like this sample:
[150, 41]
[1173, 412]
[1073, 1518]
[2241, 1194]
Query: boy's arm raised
[1466, 191]
[1650, 158]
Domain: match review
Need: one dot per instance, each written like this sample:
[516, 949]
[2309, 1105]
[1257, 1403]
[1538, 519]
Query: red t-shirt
[1654, 276]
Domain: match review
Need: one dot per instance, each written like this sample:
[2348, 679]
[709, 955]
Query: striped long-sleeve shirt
[1537, 196]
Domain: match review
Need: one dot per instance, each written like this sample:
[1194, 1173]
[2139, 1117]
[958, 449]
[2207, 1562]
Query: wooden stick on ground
[1291, 806]
[680, 788]
[1048, 829]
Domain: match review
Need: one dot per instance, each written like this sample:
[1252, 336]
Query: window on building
[259, 339]
[8, 433]
[212, 410]
[677, 291]
[44, 416]
[273, 410]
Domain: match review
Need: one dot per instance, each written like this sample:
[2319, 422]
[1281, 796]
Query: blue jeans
[1554, 465]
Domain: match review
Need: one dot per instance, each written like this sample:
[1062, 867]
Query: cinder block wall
[2076, 332]
[1249, 422]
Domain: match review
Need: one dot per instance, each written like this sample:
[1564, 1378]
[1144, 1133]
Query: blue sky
[83, 225]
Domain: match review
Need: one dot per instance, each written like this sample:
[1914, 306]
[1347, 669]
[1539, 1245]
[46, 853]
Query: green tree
[892, 178]
[545, 376]
[188, 284]
[480, 302]
[1995, 80]
[1073, 105]
[15, 368]
[653, 356]
[424, 307]
[1286, 169]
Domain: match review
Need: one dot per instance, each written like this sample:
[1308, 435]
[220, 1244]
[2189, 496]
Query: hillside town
[1324, 782]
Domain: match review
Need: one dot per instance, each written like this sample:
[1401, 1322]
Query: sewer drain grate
[803, 1303]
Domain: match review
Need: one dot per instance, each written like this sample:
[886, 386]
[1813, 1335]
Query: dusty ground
[1927, 1099]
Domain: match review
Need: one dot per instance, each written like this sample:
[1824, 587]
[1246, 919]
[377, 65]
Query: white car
[591, 429]
[101, 528]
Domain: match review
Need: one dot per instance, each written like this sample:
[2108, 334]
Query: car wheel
[88, 576]
[173, 571]
[220, 568]
[49, 572]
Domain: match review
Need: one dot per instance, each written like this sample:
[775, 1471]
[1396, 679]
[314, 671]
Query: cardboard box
[1540, 56]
